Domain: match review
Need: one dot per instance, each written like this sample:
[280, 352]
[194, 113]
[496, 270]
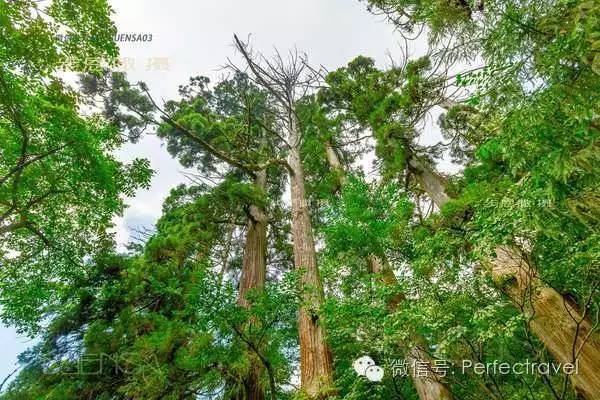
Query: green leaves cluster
[60, 184]
[397, 271]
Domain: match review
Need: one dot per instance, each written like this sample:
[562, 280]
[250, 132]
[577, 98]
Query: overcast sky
[194, 37]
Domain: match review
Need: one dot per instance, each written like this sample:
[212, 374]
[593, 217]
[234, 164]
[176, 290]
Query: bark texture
[253, 278]
[565, 332]
[316, 363]
[255, 249]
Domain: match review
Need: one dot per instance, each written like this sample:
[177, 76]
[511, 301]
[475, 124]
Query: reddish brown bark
[285, 82]
[253, 278]
[255, 249]
[316, 364]
[562, 328]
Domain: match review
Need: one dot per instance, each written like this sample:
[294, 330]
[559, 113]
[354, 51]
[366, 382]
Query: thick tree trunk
[316, 364]
[567, 334]
[429, 386]
[561, 327]
[253, 278]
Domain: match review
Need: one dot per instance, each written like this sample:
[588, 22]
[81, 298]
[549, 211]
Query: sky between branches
[191, 37]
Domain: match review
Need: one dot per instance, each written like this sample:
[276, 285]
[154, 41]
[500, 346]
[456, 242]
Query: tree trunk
[429, 387]
[567, 334]
[316, 365]
[431, 182]
[383, 269]
[253, 278]
[251, 388]
[335, 164]
[255, 249]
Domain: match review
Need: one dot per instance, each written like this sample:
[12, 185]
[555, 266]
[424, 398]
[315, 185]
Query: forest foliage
[288, 256]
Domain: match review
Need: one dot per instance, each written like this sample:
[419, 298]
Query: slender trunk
[429, 386]
[316, 364]
[253, 278]
[383, 269]
[567, 333]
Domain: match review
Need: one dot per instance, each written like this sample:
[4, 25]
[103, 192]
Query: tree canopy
[289, 260]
